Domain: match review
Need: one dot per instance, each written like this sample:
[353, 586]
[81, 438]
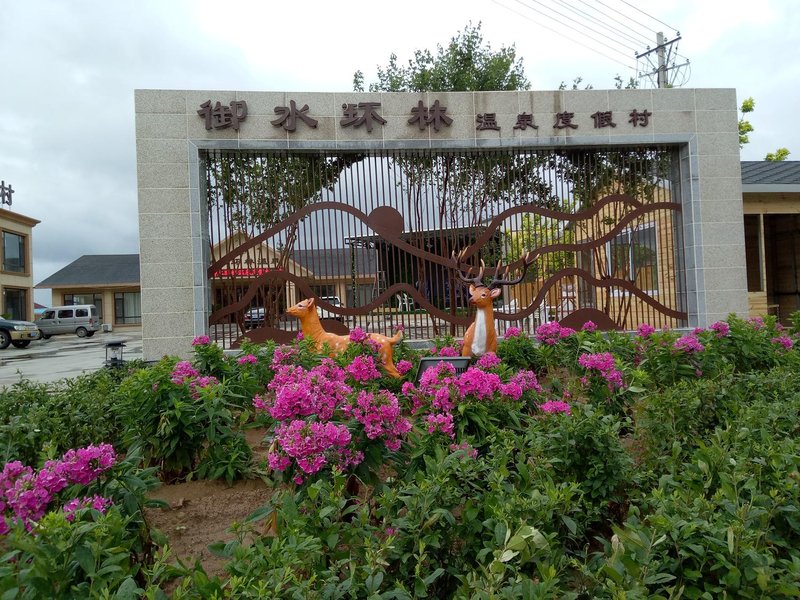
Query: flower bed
[572, 464]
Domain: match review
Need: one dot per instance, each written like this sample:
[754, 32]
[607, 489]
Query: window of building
[15, 303]
[633, 256]
[90, 298]
[13, 252]
[753, 253]
[127, 308]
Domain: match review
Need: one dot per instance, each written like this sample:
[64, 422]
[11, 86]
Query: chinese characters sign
[222, 116]
[367, 114]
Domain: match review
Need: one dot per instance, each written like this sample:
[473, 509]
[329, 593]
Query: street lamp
[114, 354]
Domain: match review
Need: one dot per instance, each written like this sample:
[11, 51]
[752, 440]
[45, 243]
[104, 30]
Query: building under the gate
[630, 200]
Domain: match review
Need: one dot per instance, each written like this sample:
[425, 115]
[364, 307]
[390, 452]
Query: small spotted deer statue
[306, 311]
[481, 336]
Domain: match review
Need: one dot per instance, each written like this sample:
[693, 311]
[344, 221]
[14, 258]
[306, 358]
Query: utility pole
[659, 63]
[662, 64]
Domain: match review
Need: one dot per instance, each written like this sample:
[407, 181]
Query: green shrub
[43, 420]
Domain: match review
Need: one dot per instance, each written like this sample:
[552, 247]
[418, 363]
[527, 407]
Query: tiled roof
[96, 269]
[771, 172]
[337, 262]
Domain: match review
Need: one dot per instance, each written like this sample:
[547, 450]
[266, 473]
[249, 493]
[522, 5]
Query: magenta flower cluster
[96, 502]
[645, 330]
[689, 344]
[380, 414]
[603, 363]
[512, 332]
[250, 359]
[358, 335]
[440, 390]
[25, 494]
[490, 360]
[201, 340]
[784, 341]
[185, 374]
[555, 406]
[363, 369]
[721, 328]
[550, 333]
[314, 407]
[589, 327]
[403, 366]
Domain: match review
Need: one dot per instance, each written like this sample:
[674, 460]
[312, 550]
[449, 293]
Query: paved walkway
[64, 356]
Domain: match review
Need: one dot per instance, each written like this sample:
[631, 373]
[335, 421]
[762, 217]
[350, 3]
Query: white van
[80, 319]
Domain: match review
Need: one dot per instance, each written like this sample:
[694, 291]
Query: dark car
[18, 333]
[255, 317]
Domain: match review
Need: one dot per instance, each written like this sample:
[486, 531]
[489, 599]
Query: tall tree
[466, 64]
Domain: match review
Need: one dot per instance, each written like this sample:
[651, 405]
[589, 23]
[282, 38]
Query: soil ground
[202, 512]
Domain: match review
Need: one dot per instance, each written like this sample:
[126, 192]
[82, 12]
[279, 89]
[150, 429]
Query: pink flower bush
[442, 422]
[688, 344]
[183, 372]
[490, 360]
[603, 363]
[314, 445]
[783, 341]
[320, 417]
[201, 340]
[297, 393]
[478, 384]
[449, 351]
[721, 328]
[512, 332]
[555, 406]
[283, 355]
[381, 417]
[358, 335]
[589, 327]
[550, 333]
[27, 494]
[403, 366]
[644, 330]
[96, 502]
[247, 359]
[363, 369]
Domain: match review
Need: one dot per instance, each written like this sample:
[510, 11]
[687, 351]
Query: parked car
[80, 319]
[326, 314]
[255, 317]
[17, 333]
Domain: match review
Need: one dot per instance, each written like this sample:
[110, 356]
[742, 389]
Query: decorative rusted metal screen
[371, 234]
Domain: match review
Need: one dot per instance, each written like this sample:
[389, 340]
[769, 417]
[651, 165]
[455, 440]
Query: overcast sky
[68, 69]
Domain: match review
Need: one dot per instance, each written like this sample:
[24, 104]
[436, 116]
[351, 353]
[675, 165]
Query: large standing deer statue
[306, 311]
[481, 336]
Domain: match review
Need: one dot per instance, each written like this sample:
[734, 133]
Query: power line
[604, 24]
[626, 16]
[675, 29]
[561, 33]
[574, 22]
[566, 24]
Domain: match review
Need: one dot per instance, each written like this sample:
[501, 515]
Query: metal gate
[371, 236]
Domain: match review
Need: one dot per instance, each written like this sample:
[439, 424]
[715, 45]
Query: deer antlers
[496, 282]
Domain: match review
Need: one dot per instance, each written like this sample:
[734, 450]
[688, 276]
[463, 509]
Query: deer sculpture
[481, 336]
[306, 311]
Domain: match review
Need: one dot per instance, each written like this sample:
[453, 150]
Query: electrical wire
[573, 22]
[534, 9]
[626, 16]
[599, 20]
[561, 33]
[675, 29]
